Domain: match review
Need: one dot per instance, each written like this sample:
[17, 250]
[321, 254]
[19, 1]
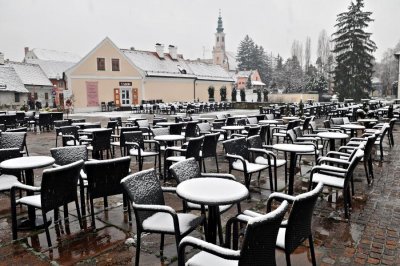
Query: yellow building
[129, 76]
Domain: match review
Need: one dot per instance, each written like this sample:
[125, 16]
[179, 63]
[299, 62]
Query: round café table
[207, 191]
[332, 136]
[268, 122]
[352, 128]
[28, 164]
[293, 149]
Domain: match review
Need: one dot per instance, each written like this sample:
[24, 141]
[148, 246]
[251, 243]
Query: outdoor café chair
[151, 213]
[58, 188]
[14, 140]
[135, 143]
[258, 246]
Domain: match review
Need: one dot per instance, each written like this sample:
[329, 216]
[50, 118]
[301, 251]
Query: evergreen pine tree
[353, 49]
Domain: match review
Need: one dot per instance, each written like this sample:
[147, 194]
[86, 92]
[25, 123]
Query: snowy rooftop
[52, 69]
[44, 54]
[30, 74]
[10, 79]
[150, 63]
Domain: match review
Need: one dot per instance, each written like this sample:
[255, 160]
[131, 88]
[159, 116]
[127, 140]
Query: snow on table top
[169, 137]
[367, 120]
[30, 162]
[352, 126]
[268, 122]
[212, 191]
[232, 127]
[95, 129]
[293, 147]
[332, 135]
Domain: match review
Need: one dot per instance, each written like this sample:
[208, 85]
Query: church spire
[220, 28]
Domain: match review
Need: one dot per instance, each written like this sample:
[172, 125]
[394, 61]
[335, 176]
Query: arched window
[217, 39]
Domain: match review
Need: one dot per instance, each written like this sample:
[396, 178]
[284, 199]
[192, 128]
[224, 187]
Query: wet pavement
[369, 237]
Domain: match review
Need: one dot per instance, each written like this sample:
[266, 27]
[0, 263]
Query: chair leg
[78, 211]
[220, 234]
[288, 263]
[366, 171]
[82, 196]
[46, 227]
[371, 168]
[13, 215]
[138, 236]
[311, 243]
[92, 212]
[162, 247]
[66, 219]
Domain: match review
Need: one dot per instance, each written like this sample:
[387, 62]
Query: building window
[223, 39]
[35, 96]
[115, 64]
[46, 95]
[217, 39]
[101, 64]
[16, 95]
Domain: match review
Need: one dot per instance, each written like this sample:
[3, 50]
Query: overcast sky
[78, 25]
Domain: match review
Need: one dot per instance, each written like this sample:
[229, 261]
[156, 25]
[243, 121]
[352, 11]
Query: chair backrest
[69, 154]
[194, 147]
[12, 140]
[255, 142]
[134, 136]
[291, 124]
[185, 170]
[259, 241]
[123, 130]
[176, 129]
[306, 123]
[61, 123]
[191, 129]
[237, 146]
[230, 121]
[298, 131]
[359, 153]
[217, 125]
[241, 122]
[210, 142]
[292, 135]
[269, 116]
[346, 120]
[9, 153]
[57, 116]
[44, 118]
[101, 140]
[112, 125]
[337, 121]
[369, 145]
[143, 188]
[118, 119]
[263, 133]
[59, 185]
[299, 222]
[204, 127]
[104, 176]
[252, 120]
[313, 126]
[160, 131]
[327, 124]
[142, 123]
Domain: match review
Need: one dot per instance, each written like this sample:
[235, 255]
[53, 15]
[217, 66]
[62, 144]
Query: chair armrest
[235, 157]
[25, 187]
[134, 144]
[216, 250]
[327, 168]
[332, 160]
[269, 153]
[279, 197]
[337, 153]
[306, 138]
[218, 175]
[169, 189]
[175, 149]
[158, 208]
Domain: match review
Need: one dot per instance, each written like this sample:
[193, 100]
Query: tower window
[101, 64]
[223, 39]
[217, 39]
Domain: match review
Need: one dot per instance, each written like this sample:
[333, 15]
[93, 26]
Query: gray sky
[78, 25]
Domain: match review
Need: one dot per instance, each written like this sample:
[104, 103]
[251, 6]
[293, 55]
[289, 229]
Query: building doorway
[125, 96]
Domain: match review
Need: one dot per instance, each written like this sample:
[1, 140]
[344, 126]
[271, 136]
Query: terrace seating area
[247, 186]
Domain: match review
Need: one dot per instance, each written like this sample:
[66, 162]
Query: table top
[207, 191]
[169, 137]
[332, 135]
[290, 118]
[367, 120]
[239, 116]
[29, 162]
[232, 127]
[352, 126]
[268, 122]
[82, 124]
[165, 124]
[288, 147]
[94, 129]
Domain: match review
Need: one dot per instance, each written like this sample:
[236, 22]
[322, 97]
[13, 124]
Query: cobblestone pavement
[369, 237]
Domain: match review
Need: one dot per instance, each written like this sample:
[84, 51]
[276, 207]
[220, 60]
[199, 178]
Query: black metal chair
[9, 178]
[121, 142]
[104, 179]
[135, 143]
[70, 154]
[176, 129]
[238, 157]
[258, 244]
[265, 157]
[70, 136]
[58, 188]
[44, 120]
[191, 130]
[101, 142]
[151, 213]
[209, 149]
[57, 124]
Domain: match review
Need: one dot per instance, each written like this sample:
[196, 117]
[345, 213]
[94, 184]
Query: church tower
[219, 56]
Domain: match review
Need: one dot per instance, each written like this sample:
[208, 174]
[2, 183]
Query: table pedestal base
[212, 223]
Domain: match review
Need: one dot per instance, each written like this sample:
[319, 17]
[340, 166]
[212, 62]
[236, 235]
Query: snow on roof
[44, 54]
[243, 74]
[233, 64]
[30, 74]
[10, 79]
[150, 63]
[257, 83]
[52, 69]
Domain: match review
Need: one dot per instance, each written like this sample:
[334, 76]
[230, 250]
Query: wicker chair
[121, 143]
[191, 130]
[209, 149]
[135, 143]
[70, 154]
[238, 156]
[258, 244]
[44, 120]
[268, 158]
[101, 142]
[337, 177]
[176, 129]
[70, 136]
[9, 178]
[104, 179]
[58, 188]
[151, 213]
[57, 124]
[14, 140]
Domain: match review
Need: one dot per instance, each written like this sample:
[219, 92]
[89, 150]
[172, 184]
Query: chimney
[26, 50]
[173, 52]
[160, 50]
[1, 59]
[132, 48]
